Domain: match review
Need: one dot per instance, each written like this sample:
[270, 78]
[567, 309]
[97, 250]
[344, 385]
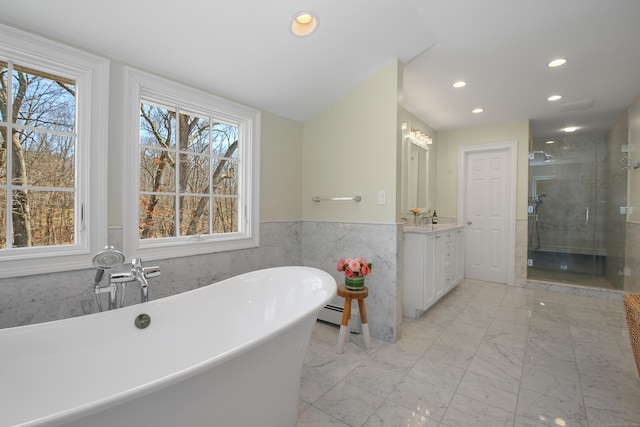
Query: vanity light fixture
[477, 110]
[557, 63]
[304, 24]
[554, 97]
[459, 84]
[420, 138]
[570, 129]
[404, 125]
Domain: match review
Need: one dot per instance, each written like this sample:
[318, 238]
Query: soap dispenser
[434, 218]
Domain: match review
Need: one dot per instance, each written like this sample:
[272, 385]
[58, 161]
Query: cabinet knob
[469, 223]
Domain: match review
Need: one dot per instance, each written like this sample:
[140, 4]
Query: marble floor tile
[421, 397]
[377, 376]
[463, 340]
[551, 410]
[397, 355]
[503, 395]
[313, 417]
[337, 367]
[314, 384]
[390, 414]
[468, 412]
[498, 362]
[611, 417]
[438, 374]
[506, 334]
[514, 315]
[412, 341]
[547, 382]
[439, 352]
[484, 355]
[546, 330]
[350, 404]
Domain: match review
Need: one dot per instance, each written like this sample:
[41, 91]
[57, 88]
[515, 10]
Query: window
[194, 160]
[52, 130]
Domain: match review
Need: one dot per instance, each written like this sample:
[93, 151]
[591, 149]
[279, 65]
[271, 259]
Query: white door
[488, 197]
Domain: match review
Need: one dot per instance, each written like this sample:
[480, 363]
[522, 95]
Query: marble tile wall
[632, 251]
[47, 297]
[572, 181]
[324, 243]
[520, 271]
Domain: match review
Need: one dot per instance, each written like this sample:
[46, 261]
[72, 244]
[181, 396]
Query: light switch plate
[382, 197]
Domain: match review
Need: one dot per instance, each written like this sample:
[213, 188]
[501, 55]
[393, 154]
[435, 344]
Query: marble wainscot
[46, 297]
[324, 243]
[34, 299]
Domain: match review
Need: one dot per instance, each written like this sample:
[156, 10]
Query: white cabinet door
[418, 292]
[438, 264]
[448, 266]
[431, 268]
[429, 271]
[459, 255]
[413, 286]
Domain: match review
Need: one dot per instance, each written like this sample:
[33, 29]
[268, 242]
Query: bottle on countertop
[434, 218]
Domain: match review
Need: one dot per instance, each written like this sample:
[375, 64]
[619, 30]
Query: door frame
[512, 156]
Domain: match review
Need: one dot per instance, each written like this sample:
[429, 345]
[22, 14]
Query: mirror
[417, 178]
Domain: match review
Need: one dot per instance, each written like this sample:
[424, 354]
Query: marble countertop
[429, 228]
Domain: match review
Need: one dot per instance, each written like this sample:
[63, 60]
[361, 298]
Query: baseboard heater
[332, 313]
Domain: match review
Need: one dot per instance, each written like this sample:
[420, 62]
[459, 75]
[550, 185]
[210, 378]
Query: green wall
[447, 174]
[351, 149]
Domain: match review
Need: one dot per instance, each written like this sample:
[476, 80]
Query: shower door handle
[586, 216]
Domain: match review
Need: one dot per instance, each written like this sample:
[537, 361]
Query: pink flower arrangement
[353, 267]
[415, 211]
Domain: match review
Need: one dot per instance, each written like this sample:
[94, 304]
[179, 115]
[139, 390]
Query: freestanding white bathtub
[228, 354]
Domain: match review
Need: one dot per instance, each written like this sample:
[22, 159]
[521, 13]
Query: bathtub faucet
[141, 274]
[138, 274]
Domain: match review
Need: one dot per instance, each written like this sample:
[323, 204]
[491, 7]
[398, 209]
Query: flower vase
[355, 283]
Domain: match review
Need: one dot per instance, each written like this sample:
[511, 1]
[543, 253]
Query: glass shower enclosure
[576, 225]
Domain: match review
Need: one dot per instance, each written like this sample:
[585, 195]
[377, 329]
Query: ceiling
[244, 50]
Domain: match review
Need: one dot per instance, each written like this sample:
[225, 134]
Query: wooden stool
[348, 295]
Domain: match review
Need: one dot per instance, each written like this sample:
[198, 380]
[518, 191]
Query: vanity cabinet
[459, 254]
[432, 267]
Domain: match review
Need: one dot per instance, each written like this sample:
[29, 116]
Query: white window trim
[140, 85]
[92, 75]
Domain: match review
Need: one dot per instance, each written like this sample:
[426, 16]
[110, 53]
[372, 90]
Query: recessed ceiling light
[304, 23]
[477, 110]
[554, 97]
[550, 142]
[459, 84]
[557, 62]
[570, 129]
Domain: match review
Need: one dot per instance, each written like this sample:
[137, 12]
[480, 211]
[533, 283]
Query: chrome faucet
[141, 274]
[138, 274]
[103, 261]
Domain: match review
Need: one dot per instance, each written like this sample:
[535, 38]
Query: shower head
[108, 258]
[546, 157]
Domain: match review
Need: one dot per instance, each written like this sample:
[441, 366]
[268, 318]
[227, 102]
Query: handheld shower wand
[105, 260]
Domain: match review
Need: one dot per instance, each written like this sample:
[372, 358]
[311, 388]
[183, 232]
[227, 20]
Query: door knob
[469, 223]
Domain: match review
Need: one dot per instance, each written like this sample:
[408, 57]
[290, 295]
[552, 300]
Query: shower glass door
[566, 206]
